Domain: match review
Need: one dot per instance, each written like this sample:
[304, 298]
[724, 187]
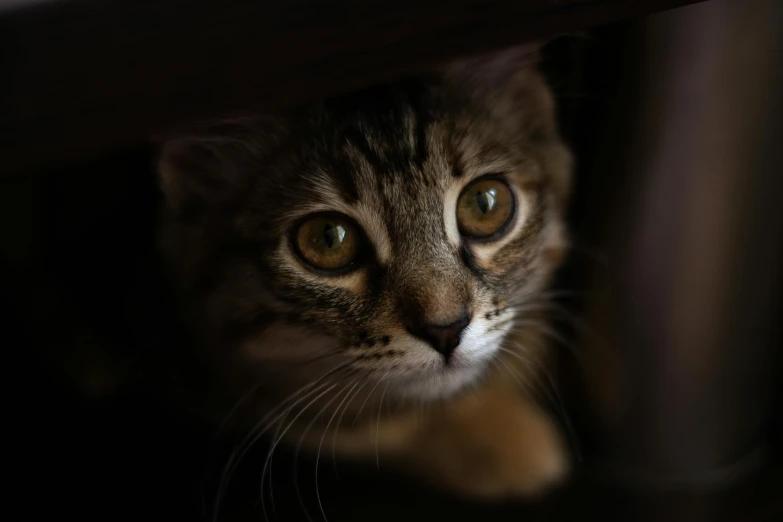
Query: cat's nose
[443, 338]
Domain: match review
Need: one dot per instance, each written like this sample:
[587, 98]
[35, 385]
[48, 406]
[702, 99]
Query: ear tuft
[508, 84]
[215, 163]
[191, 172]
[494, 69]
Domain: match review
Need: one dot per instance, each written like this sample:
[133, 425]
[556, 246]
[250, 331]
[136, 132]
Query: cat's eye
[485, 208]
[327, 241]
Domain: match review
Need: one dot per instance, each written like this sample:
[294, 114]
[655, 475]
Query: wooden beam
[81, 76]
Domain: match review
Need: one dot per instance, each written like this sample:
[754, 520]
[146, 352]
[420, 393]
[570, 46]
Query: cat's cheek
[284, 343]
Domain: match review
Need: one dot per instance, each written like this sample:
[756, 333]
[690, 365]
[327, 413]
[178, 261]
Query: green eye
[328, 242]
[484, 208]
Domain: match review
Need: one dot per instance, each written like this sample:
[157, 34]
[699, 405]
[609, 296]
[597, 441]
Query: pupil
[485, 200]
[333, 235]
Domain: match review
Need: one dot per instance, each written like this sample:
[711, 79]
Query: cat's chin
[439, 385]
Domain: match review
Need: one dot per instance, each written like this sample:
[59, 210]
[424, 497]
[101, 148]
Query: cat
[384, 250]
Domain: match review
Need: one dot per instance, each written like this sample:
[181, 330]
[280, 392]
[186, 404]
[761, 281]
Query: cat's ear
[191, 173]
[508, 82]
[212, 165]
[495, 69]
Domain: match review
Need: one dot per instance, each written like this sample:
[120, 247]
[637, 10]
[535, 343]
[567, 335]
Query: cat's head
[392, 233]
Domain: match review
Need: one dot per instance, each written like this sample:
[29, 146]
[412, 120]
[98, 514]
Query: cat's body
[360, 261]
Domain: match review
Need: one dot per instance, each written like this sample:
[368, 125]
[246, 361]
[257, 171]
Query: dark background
[80, 276]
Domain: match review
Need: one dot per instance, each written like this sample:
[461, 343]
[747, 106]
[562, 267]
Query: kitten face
[392, 233]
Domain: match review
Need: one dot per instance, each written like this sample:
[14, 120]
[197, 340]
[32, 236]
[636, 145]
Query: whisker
[236, 407]
[239, 452]
[279, 422]
[337, 427]
[278, 436]
[554, 396]
[368, 397]
[499, 326]
[534, 382]
[597, 257]
[533, 376]
[298, 447]
[271, 483]
[288, 427]
[378, 428]
[223, 424]
[320, 445]
[545, 307]
[319, 357]
[262, 426]
[511, 372]
[550, 295]
[540, 326]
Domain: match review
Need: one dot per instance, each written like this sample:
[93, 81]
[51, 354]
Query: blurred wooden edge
[690, 315]
[84, 76]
